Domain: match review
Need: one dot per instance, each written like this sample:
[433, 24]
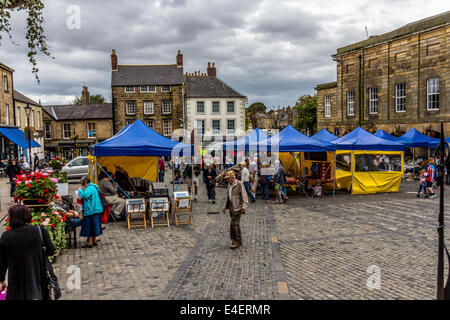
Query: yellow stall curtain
[376, 181]
[290, 163]
[142, 167]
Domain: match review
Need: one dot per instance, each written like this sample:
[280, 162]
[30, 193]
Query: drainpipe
[361, 90]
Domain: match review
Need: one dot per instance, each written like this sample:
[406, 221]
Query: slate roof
[22, 98]
[129, 75]
[79, 112]
[209, 87]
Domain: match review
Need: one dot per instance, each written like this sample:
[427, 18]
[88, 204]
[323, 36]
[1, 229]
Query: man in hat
[236, 203]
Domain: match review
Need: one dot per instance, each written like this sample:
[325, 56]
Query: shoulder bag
[52, 290]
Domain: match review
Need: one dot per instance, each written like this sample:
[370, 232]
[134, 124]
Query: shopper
[210, 175]
[447, 176]
[12, 170]
[236, 203]
[423, 183]
[192, 178]
[21, 254]
[92, 209]
[253, 168]
[279, 180]
[430, 176]
[36, 162]
[245, 178]
[161, 169]
[110, 192]
[264, 181]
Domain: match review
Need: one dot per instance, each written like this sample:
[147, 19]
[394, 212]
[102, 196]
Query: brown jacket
[239, 198]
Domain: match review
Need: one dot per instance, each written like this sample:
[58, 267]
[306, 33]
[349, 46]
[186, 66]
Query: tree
[307, 113]
[36, 39]
[97, 98]
[251, 114]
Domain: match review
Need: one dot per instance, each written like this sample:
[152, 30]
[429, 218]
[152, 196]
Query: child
[430, 175]
[423, 183]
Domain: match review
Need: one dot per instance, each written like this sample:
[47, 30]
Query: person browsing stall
[110, 191]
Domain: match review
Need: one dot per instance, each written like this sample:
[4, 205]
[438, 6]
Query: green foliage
[96, 98]
[307, 113]
[251, 114]
[35, 36]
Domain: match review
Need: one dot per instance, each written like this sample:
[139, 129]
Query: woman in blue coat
[91, 226]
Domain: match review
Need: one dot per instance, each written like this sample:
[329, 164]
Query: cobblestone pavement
[316, 248]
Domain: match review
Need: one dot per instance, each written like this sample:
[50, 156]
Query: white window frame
[215, 130]
[170, 88]
[127, 87]
[38, 120]
[49, 131]
[432, 90]
[197, 105]
[212, 107]
[373, 100]
[94, 131]
[234, 107]
[152, 121]
[33, 123]
[167, 130]
[164, 107]
[6, 113]
[5, 83]
[149, 107]
[231, 131]
[400, 97]
[201, 130]
[327, 105]
[127, 108]
[147, 89]
[350, 103]
[64, 130]
[18, 117]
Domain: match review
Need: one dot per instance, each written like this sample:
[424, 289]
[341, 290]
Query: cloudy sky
[273, 51]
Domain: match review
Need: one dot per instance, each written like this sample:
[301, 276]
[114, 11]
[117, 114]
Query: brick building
[403, 76]
[69, 130]
[152, 93]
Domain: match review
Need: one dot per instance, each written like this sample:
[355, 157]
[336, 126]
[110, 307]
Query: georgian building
[152, 93]
[69, 130]
[36, 121]
[213, 106]
[394, 81]
[7, 147]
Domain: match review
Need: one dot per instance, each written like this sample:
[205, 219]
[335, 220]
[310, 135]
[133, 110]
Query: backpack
[263, 180]
[102, 199]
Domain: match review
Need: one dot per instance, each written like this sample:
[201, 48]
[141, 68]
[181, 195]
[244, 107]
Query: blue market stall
[324, 135]
[368, 164]
[136, 149]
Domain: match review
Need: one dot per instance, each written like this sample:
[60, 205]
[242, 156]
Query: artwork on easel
[159, 204]
[180, 195]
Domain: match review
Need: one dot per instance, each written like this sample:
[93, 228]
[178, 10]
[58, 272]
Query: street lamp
[28, 112]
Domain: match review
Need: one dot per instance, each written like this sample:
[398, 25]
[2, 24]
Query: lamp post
[28, 112]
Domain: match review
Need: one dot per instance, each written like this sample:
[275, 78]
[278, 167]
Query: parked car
[77, 168]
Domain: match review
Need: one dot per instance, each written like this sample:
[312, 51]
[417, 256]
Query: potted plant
[35, 189]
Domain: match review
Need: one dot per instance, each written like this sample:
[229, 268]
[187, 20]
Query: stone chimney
[85, 96]
[113, 60]
[211, 69]
[179, 59]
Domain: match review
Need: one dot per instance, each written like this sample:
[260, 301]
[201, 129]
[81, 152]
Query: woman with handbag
[23, 253]
[91, 226]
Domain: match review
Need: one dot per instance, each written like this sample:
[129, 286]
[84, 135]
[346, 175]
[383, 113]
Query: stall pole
[352, 163]
[334, 187]
[414, 163]
[192, 174]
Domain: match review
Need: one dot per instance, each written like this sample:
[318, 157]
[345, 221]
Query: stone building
[394, 81]
[152, 93]
[69, 130]
[213, 106]
[36, 121]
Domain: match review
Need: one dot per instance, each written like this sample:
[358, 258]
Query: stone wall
[6, 97]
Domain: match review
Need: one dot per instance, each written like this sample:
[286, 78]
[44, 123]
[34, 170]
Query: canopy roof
[360, 139]
[416, 139]
[384, 135]
[244, 143]
[324, 135]
[138, 140]
[291, 140]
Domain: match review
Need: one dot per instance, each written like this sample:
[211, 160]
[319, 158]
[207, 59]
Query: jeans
[75, 222]
[424, 187]
[264, 189]
[211, 189]
[249, 192]
[13, 187]
[161, 176]
[447, 178]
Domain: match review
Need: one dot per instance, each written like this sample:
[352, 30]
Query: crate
[159, 189]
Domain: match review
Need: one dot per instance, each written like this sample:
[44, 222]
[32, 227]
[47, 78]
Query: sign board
[336, 131]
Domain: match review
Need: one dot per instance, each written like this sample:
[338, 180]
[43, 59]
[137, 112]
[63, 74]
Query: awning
[18, 137]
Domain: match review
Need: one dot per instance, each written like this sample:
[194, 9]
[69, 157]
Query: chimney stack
[113, 60]
[179, 59]
[211, 69]
[85, 96]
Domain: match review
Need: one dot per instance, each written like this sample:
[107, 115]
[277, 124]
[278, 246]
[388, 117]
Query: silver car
[77, 168]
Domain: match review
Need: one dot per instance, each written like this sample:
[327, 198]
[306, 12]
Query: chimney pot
[211, 70]
[85, 99]
[179, 59]
[113, 60]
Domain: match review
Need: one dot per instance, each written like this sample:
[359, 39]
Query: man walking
[110, 191]
[236, 203]
[210, 175]
[245, 178]
[12, 170]
[161, 169]
[36, 162]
